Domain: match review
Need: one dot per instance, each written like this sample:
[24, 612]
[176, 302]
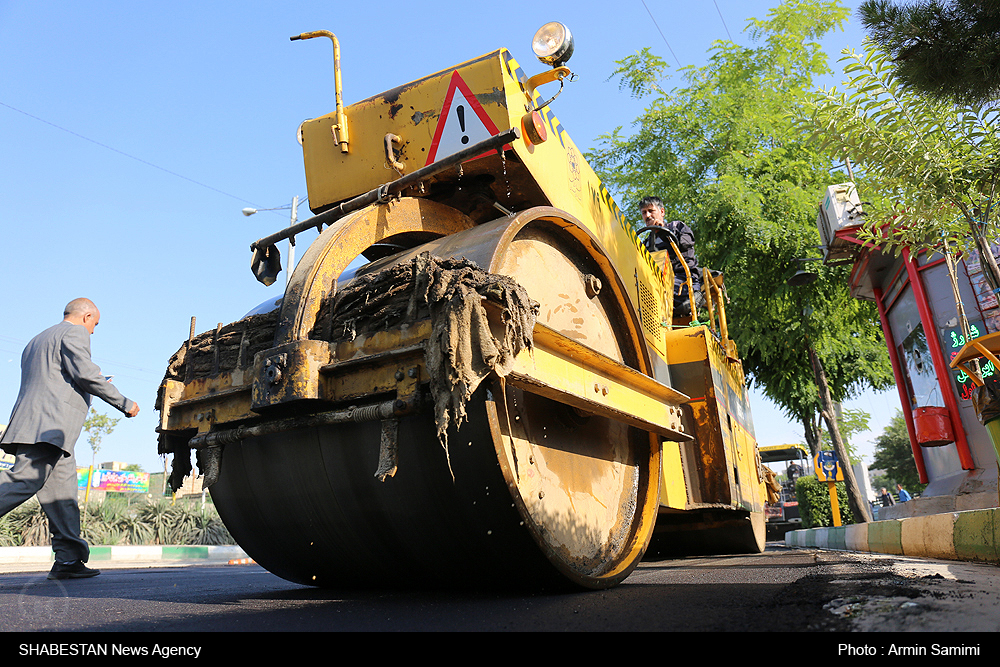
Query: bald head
[83, 312]
[79, 306]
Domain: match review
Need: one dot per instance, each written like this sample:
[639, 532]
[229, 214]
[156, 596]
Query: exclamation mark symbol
[461, 122]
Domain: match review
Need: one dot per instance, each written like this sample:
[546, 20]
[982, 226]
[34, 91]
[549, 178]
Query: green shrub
[25, 526]
[115, 521]
[814, 503]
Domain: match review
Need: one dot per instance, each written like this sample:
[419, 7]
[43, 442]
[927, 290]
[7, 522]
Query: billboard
[113, 480]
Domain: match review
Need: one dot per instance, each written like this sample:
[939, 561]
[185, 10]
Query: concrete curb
[106, 554]
[970, 535]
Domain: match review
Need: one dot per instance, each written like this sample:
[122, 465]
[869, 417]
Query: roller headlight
[553, 44]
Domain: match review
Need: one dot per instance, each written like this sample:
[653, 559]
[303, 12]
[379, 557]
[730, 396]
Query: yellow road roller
[474, 375]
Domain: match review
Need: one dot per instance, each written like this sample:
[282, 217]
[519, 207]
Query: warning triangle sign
[463, 122]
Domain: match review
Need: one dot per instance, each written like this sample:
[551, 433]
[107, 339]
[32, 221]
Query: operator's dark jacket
[685, 243]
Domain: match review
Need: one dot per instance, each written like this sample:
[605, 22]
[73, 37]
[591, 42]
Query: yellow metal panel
[686, 345]
[289, 373]
[673, 490]
[494, 83]
[203, 402]
[741, 444]
[725, 443]
[411, 112]
[561, 369]
[569, 183]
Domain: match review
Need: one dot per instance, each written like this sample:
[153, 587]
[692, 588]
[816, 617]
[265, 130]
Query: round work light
[553, 44]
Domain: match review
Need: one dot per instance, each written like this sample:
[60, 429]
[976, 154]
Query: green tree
[894, 455]
[97, 426]
[932, 167]
[851, 422]
[722, 154]
[949, 50]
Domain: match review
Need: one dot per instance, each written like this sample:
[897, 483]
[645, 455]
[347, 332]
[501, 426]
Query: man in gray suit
[57, 381]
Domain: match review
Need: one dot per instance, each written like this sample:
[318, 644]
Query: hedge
[814, 503]
[116, 522]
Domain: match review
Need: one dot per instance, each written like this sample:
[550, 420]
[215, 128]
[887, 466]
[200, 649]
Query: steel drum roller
[340, 434]
[541, 492]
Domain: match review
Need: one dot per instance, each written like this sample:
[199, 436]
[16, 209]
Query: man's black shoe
[74, 570]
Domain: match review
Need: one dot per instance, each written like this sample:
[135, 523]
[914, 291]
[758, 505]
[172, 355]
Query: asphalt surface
[828, 594]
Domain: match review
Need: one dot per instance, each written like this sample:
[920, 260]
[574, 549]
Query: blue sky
[131, 136]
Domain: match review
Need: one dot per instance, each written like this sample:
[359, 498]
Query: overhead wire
[6, 340]
[302, 200]
[120, 152]
[721, 17]
[723, 20]
[661, 33]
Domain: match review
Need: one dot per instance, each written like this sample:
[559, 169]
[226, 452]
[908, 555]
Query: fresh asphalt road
[787, 590]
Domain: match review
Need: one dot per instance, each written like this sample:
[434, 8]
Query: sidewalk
[970, 535]
[30, 559]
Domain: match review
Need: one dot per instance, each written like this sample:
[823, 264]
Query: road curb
[970, 535]
[105, 554]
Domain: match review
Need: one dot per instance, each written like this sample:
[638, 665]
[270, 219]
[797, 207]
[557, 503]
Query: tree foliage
[929, 168]
[97, 426]
[815, 508]
[894, 455]
[851, 423]
[945, 49]
[720, 151]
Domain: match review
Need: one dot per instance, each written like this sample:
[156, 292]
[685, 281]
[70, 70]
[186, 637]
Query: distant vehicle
[792, 462]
